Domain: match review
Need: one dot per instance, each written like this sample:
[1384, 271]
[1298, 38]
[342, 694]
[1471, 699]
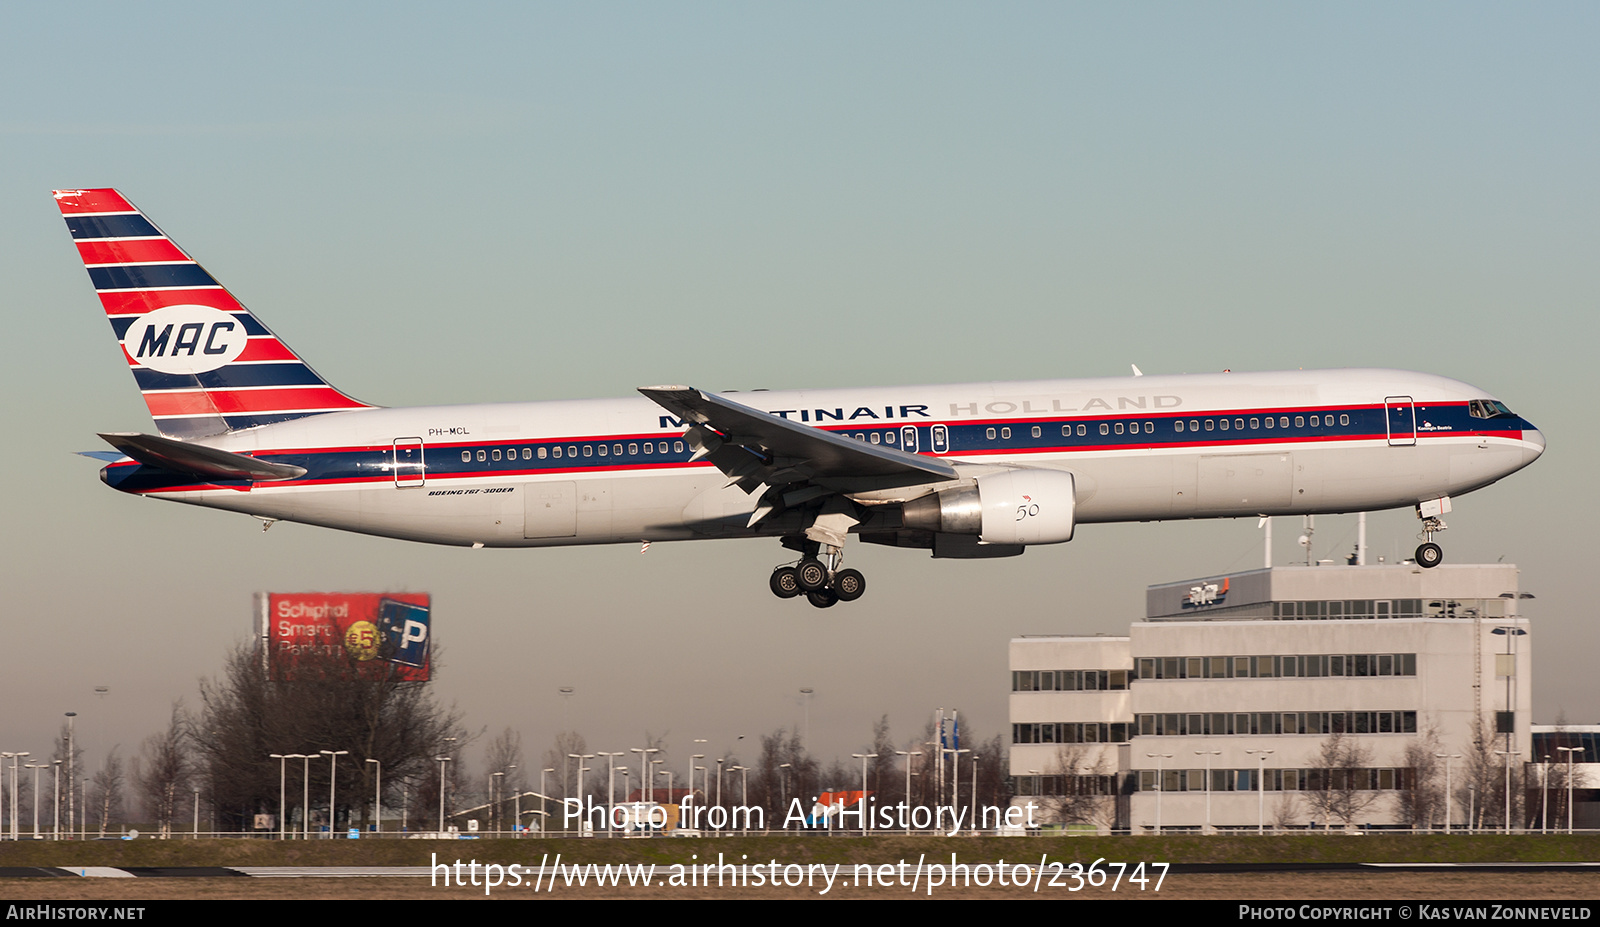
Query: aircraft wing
[754, 447]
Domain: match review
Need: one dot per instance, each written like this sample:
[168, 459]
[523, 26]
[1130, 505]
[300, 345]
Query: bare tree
[1340, 785]
[1078, 791]
[505, 758]
[106, 791]
[161, 772]
[1420, 800]
[324, 702]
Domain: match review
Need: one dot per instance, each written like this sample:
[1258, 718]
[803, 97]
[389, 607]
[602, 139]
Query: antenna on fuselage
[1136, 371]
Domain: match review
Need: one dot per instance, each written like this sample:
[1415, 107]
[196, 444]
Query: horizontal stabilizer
[199, 460]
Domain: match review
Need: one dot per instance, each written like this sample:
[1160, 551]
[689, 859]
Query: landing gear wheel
[848, 585]
[811, 575]
[1429, 556]
[822, 598]
[785, 583]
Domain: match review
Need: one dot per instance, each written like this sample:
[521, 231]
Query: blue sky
[520, 201]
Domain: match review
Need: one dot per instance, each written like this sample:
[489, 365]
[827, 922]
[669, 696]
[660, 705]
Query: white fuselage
[1151, 448]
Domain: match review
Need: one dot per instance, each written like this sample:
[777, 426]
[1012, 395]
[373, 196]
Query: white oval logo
[185, 339]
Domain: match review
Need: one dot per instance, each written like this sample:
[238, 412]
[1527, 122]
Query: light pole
[495, 788]
[544, 820]
[305, 798]
[283, 759]
[333, 777]
[196, 812]
[1508, 754]
[744, 795]
[611, 788]
[36, 767]
[55, 799]
[1569, 751]
[1261, 789]
[71, 772]
[578, 790]
[1160, 784]
[1208, 754]
[1448, 796]
[908, 754]
[15, 807]
[806, 694]
[441, 759]
[377, 798]
[863, 757]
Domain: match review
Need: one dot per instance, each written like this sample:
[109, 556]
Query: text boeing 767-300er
[966, 471]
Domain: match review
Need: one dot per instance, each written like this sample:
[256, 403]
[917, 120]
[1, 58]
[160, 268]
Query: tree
[161, 772]
[505, 758]
[1078, 791]
[106, 791]
[1340, 783]
[1420, 800]
[322, 701]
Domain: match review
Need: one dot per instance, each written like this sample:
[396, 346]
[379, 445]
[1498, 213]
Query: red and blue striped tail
[206, 366]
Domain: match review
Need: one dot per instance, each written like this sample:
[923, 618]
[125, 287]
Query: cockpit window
[1489, 408]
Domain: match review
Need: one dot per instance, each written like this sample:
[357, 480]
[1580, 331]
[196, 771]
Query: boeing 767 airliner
[968, 470]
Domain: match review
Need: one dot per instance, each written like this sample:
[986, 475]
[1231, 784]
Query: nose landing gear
[1429, 554]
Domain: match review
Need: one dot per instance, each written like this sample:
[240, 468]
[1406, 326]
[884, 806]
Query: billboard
[393, 628]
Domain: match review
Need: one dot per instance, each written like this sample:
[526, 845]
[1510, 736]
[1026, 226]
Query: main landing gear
[1429, 554]
[822, 583]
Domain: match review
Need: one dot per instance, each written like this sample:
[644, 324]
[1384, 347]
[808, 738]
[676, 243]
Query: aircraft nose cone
[1533, 445]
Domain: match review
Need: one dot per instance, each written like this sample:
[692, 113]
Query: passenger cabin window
[1299, 421]
[1082, 431]
[1238, 424]
[496, 454]
[1344, 419]
[602, 450]
[1119, 428]
[989, 433]
[1177, 425]
[542, 453]
[875, 438]
[1104, 428]
[466, 457]
[1255, 423]
[482, 457]
[1269, 422]
[1005, 432]
[1036, 431]
[557, 452]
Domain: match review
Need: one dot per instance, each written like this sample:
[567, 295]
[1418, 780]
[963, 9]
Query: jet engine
[1016, 506]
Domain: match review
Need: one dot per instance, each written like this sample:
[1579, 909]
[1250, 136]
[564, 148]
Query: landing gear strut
[1429, 554]
[817, 576]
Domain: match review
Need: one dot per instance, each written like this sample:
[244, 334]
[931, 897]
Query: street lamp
[36, 767]
[1569, 751]
[1448, 796]
[908, 754]
[283, 759]
[1508, 754]
[1261, 789]
[495, 787]
[305, 809]
[441, 759]
[611, 788]
[333, 777]
[1160, 785]
[377, 798]
[1208, 754]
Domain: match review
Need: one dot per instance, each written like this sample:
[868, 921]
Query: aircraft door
[1400, 417]
[908, 439]
[409, 470]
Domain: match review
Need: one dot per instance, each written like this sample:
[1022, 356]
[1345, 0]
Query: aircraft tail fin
[205, 365]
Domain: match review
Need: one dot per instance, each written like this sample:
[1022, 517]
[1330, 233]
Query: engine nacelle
[1027, 506]
[1021, 506]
